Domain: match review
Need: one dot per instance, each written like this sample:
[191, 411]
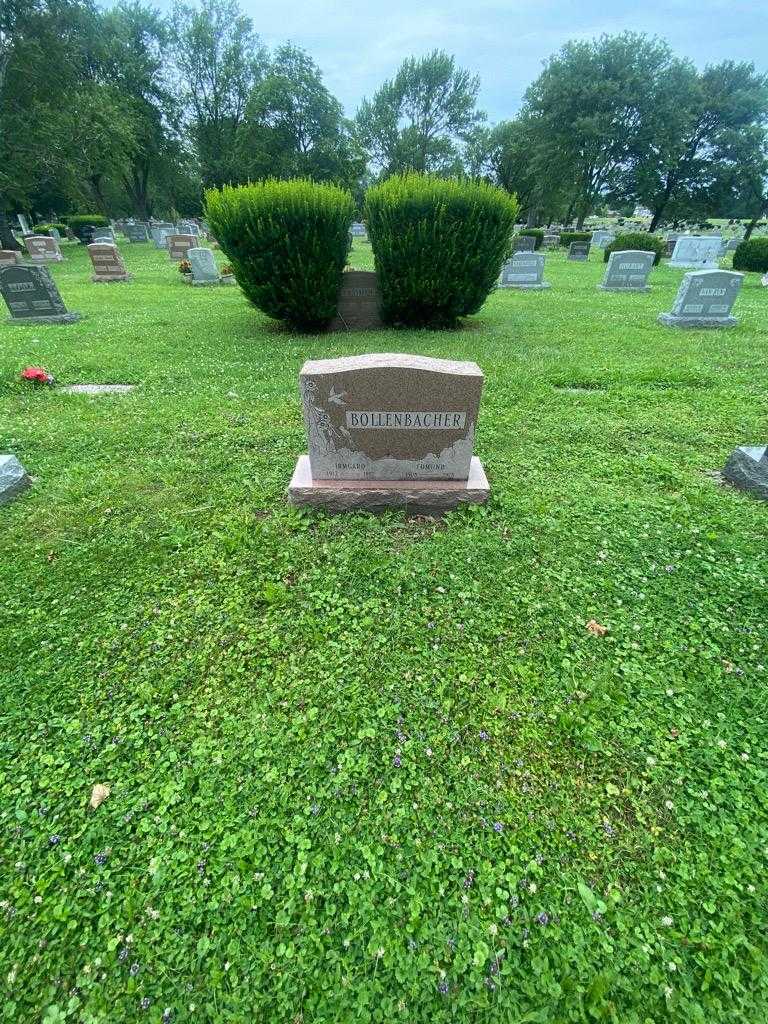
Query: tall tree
[219, 59]
[419, 119]
[294, 127]
[588, 107]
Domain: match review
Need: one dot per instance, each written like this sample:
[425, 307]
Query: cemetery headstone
[359, 301]
[32, 297]
[733, 244]
[204, 269]
[23, 224]
[601, 238]
[579, 251]
[160, 236]
[389, 430]
[187, 227]
[55, 234]
[525, 270]
[13, 478]
[550, 242]
[107, 263]
[102, 234]
[9, 258]
[696, 252]
[43, 249]
[705, 299]
[136, 232]
[628, 271]
[670, 244]
[358, 230]
[523, 243]
[747, 469]
[179, 246]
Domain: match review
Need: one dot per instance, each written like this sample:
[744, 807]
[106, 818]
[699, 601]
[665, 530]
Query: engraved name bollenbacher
[407, 420]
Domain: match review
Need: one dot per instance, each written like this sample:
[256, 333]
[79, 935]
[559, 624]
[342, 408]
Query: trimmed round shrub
[287, 242]
[566, 237]
[643, 241]
[752, 255]
[81, 221]
[537, 233]
[438, 246]
[45, 229]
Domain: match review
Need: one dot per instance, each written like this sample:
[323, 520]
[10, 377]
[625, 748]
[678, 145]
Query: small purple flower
[101, 858]
[54, 840]
[442, 987]
[315, 808]
[542, 918]
[484, 735]
[201, 867]
[469, 879]
[134, 969]
[498, 827]
[123, 954]
[396, 761]
[146, 1002]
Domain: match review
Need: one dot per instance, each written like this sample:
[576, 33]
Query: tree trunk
[7, 241]
[751, 227]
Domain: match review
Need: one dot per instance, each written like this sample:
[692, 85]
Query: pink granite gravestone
[178, 246]
[43, 249]
[107, 263]
[9, 258]
[389, 430]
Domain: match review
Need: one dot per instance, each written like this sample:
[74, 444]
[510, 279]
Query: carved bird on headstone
[336, 399]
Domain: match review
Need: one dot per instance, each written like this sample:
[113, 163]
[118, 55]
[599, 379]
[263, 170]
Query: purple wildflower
[54, 840]
[101, 858]
[134, 969]
[542, 918]
[484, 735]
[146, 1002]
[442, 987]
[396, 761]
[498, 827]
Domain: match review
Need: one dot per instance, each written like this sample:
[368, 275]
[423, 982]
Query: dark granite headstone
[747, 469]
[579, 251]
[523, 243]
[32, 297]
[359, 302]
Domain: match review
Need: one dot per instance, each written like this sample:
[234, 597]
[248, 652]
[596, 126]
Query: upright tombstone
[696, 252]
[523, 243]
[108, 266]
[160, 234]
[628, 271]
[670, 244]
[525, 270]
[747, 469]
[579, 251]
[55, 234]
[705, 299]
[23, 224]
[601, 238]
[359, 302]
[9, 258]
[204, 269]
[389, 430]
[733, 244]
[32, 297]
[358, 230]
[187, 227]
[102, 234]
[551, 241]
[43, 249]
[179, 246]
[136, 232]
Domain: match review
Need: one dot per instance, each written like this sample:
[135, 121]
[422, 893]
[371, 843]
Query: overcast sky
[357, 44]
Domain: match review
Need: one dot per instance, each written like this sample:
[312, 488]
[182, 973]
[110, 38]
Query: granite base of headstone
[13, 478]
[524, 271]
[359, 302]
[747, 469]
[627, 271]
[32, 297]
[389, 431]
[705, 299]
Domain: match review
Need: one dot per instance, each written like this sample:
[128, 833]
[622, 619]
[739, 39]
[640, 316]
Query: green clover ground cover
[372, 769]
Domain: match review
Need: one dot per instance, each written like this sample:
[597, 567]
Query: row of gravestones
[705, 297]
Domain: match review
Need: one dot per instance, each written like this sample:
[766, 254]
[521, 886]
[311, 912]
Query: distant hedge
[287, 242]
[537, 233]
[566, 237]
[81, 221]
[642, 241]
[45, 229]
[438, 246]
[752, 255]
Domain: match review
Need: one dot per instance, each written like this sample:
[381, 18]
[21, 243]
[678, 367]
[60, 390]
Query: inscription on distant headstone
[389, 429]
[359, 302]
[204, 269]
[102, 234]
[694, 252]
[524, 270]
[628, 271]
[601, 238]
[107, 263]
[32, 296]
[523, 243]
[705, 299]
[43, 249]
[579, 251]
[159, 235]
[9, 258]
[136, 232]
[550, 241]
[179, 246]
[358, 230]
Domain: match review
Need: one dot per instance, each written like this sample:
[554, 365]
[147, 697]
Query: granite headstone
[359, 302]
[13, 478]
[628, 271]
[43, 249]
[179, 245]
[705, 299]
[32, 297]
[696, 252]
[747, 469]
[523, 243]
[579, 251]
[525, 270]
[203, 263]
[107, 263]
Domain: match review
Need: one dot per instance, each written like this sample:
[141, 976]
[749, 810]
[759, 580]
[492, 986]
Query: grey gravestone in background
[9, 258]
[23, 224]
[747, 469]
[358, 230]
[628, 271]
[705, 299]
[694, 252]
[43, 249]
[670, 244]
[136, 232]
[107, 263]
[601, 238]
[204, 269]
[160, 236]
[359, 302]
[524, 270]
[733, 244]
[550, 242]
[13, 478]
[187, 227]
[103, 235]
[179, 246]
[579, 251]
[55, 234]
[389, 429]
[32, 297]
[523, 243]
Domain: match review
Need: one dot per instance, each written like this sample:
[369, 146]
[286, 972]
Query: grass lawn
[377, 769]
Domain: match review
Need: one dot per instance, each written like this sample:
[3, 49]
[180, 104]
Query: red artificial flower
[38, 374]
